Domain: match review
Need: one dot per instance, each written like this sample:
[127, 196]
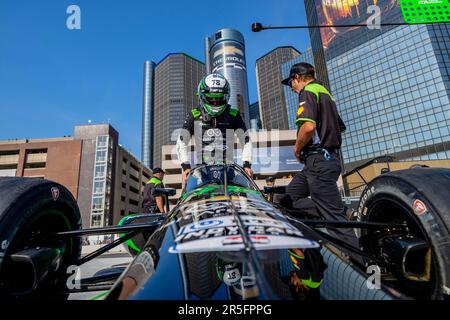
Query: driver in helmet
[214, 124]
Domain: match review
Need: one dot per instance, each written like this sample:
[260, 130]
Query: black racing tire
[419, 197]
[30, 207]
[202, 275]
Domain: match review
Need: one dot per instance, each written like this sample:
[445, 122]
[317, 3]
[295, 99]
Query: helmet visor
[216, 100]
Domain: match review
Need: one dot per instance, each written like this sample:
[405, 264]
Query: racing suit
[213, 138]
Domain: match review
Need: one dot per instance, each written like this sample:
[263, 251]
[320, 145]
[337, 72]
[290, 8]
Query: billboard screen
[351, 12]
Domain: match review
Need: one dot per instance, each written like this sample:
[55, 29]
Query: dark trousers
[318, 180]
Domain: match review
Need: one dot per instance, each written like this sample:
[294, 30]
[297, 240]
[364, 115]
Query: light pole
[257, 26]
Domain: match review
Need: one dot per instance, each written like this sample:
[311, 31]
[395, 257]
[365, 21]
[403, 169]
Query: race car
[225, 240]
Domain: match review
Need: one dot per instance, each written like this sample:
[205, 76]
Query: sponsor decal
[220, 207]
[206, 224]
[55, 193]
[213, 133]
[301, 108]
[228, 50]
[232, 275]
[419, 207]
[238, 239]
[430, 2]
[228, 54]
[223, 235]
[364, 198]
[215, 81]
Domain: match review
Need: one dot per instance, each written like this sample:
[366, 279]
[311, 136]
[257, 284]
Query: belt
[325, 151]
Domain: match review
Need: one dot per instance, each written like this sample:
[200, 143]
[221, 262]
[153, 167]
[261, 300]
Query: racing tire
[419, 197]
[31, 209]
[203, 279]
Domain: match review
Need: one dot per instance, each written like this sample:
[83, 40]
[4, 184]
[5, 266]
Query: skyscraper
[272, 104]
[291, 98]
[147, 114]
[255, 118]
[176, 79]
[391, 85]
[225, 54]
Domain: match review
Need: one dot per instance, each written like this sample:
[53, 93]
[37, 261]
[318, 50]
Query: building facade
[176, 80]
[147, 114]
[97, 172]
[105, 179]
[255, 118]
[225, 54]
[391, 85]
[131, 178]
[317, 47]
[271, 95]
[56, 159]
[291, 98]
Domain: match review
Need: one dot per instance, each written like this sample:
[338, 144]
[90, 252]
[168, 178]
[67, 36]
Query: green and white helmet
[214, 93]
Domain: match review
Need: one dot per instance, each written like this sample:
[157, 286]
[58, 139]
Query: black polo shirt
[317, 105]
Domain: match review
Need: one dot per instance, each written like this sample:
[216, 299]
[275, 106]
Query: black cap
[158, 170]
[301, 68]
[270, 179]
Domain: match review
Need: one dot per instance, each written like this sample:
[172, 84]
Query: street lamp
[257, 26]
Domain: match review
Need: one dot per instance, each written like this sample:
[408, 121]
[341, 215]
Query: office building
[291, 98]
[97, 172]
[255, 118]
[131, 178]
[176, 80]
[391, 85]
[105, 179]
[225, 54]
[272, 102]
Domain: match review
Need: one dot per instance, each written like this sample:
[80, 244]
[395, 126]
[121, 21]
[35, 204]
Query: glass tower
[270, 92]
[176, 80]
[391, 85]
[147, 114]
[225, 54]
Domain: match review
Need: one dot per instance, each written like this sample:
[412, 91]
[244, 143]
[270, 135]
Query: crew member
[214, 124]
[154, 204]
[270, 181]
[317, 146]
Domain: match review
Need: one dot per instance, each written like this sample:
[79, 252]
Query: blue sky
[52, 78]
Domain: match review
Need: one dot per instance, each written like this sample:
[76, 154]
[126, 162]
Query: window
[101, 156]
[102, 141]
[96, 220]
[97, 203]
[100, 171]
[99, 187]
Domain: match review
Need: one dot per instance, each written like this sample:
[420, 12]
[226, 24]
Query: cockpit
[228, 174]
